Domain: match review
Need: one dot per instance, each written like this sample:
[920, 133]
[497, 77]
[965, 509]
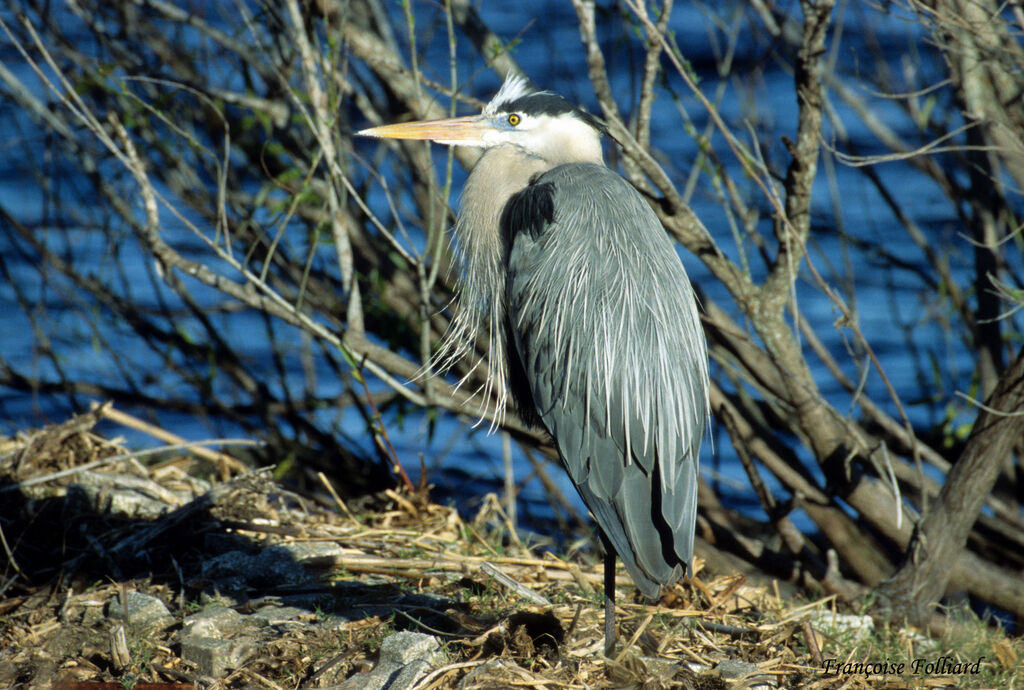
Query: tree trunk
[941, 534]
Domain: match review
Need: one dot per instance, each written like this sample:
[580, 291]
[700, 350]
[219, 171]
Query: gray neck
[499, 173]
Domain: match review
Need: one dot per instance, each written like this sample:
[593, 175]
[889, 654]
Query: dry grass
[69, 557]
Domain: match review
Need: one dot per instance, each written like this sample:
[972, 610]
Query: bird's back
[613, 358]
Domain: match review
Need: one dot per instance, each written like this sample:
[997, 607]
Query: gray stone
[144, 612]
[218, 622]
[405, 658]
[409, 675]
[128, 495]
[277, 566]
[656, 667]
[270, 567]
[305, 550]
[404, 647]
[228, 564]
[280, 615]
[91, 618]
[213, 657]
[491, 674]
[851, 627]
[750, 673]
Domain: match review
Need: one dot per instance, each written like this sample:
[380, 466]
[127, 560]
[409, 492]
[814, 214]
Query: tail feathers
[650, 579]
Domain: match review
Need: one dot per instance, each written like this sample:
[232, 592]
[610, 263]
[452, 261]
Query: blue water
[894, 307]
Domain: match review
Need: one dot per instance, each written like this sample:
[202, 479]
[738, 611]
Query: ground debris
[242, 583]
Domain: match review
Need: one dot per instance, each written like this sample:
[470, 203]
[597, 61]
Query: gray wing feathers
[606, 326]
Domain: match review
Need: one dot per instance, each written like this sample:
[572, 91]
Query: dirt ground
[139, 569]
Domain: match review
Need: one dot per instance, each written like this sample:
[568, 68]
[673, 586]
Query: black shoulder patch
[531, 211]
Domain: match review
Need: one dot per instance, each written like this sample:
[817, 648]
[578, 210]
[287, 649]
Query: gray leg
[609, 597]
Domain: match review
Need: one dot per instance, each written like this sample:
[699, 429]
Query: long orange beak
[465, 131]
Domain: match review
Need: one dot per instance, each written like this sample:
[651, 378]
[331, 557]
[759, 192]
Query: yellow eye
[514, 119]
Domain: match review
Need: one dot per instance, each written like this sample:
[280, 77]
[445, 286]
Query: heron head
[541, 123]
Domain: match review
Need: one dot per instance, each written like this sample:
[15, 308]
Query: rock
[854, 628]
[752, 677]
[306, 550]
[734, 668]
[493, 675]
[128, 495]
[227, 564]
[281, 615]
[270, 567]
[144, 612]
[409, 675]
[218, 622]
[275, 566]
[405, 658]
[405, 647]
[217, 640]
[214, 658]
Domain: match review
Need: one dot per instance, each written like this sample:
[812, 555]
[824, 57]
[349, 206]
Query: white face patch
[557, 138]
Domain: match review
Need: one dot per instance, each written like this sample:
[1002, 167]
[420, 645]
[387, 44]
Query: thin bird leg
[609, 596]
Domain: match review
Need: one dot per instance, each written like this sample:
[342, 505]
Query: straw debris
[128, 568]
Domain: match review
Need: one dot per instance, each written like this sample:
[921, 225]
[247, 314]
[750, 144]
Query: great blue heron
[592, 321]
